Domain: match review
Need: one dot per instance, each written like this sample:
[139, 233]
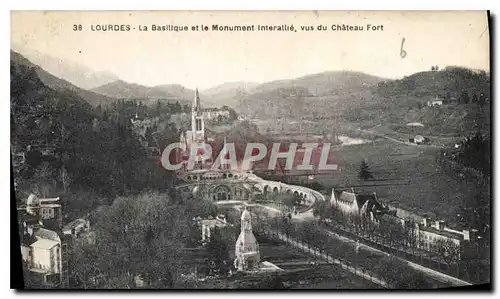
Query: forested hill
[168, 93]
[72, 146]
[59, 84]
[452, 82]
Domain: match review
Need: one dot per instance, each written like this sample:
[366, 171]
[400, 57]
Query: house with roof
[46, 211]
[41, 251]
[356, 203]
[436, 102]
[438, 238]
[209, 225]
[76, 227]
[434, 237]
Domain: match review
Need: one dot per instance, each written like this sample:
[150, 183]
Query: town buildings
[216, 114]
[352, 203]
[43, 250]
[431, 236]
[436, 237]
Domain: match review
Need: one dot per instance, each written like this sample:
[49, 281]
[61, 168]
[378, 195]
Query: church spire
[196, 100]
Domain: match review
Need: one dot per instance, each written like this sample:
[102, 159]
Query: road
[398, 141]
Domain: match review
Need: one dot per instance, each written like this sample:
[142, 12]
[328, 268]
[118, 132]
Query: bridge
[267, 187]
[247, 179]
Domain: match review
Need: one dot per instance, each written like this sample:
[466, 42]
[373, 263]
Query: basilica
[219, 184]
[195, 136]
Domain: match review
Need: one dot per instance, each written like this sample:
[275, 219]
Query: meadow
[404, 176]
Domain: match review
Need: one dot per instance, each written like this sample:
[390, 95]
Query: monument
[247, 249]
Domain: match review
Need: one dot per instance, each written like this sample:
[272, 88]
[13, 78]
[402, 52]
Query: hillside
[229, 87]
[124, 90]
[70, 71]
[447, 84]
[326, 83]
[228, 93]
[356, 100]
[59, 84]
[466, 109]
[308, 96]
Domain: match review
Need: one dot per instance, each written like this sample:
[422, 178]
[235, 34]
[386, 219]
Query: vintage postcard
[251, 149]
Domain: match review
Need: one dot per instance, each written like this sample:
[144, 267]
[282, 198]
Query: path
[441, 277]
[398, 141]
[356, 271]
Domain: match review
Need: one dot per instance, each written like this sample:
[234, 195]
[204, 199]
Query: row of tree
[319, 242]
[387, 231]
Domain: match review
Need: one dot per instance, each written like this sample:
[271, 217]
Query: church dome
[32, 200]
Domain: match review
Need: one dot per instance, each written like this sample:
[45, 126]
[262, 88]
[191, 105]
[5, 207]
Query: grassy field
[301, 275]
[406, 176]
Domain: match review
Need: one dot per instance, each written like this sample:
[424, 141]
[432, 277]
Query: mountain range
[56, 83]
[102, 87]
[149, 95]
[71, 71]
[355, 96]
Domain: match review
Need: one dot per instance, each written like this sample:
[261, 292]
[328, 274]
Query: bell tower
[197, 123]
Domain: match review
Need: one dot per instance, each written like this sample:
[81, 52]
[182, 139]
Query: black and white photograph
[251, 150]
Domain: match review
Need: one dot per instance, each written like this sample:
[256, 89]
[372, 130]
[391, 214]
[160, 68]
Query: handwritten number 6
[402, 52]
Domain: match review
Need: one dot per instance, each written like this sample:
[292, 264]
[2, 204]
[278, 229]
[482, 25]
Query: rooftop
[448, 234]
[369, 199]
[43, 233]
[74, 224]
[47, 200]
[212, 223]
[44, 244]
[50, 205]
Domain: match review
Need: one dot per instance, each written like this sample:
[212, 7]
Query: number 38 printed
[77, 27]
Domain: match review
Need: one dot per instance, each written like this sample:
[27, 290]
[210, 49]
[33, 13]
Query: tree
[448, 251]
[410, 234]
[464, 97]
[65, 179]
[322, 209]
[218, 252]
[398, 275]
[142, 234]
[364, 171]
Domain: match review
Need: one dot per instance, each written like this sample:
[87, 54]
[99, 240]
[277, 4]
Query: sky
[205, 59]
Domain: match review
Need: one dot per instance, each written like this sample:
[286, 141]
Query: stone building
[247, 249]
[352, 203]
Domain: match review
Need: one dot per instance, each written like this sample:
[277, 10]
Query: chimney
[466, 235]
[439, 224]
[403, 222]
[473, 234]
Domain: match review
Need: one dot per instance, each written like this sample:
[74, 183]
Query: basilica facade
[204, 182]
